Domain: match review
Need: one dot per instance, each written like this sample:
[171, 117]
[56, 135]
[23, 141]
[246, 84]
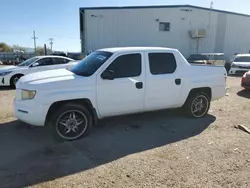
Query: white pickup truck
[116, 81]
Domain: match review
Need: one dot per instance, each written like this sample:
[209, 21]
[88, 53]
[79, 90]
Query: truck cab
[116, 81]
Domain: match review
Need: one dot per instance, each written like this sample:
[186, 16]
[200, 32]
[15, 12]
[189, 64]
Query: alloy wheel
[199, 106]
[71, 124]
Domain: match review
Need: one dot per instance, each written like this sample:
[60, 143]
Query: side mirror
[108, 75]
[34, 65]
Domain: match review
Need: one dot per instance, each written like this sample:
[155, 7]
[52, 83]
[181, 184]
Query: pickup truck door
[163, 85]
[123, 91]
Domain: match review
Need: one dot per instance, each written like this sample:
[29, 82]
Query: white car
[9, 75]
[116, 81]
[240, 64]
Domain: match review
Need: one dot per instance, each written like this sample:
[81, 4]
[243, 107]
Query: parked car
[207, 59]
[245, 81]
[9, 75]
[116, 81]
[240, 64]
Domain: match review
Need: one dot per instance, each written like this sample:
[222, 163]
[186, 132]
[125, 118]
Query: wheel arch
[84, 101]
[12, 77]
[16, 74]
[205, 90]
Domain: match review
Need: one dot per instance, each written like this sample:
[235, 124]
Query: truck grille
[244, 67]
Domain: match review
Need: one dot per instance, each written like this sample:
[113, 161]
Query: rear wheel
[14, 79]
[71, 122]
[197, 105]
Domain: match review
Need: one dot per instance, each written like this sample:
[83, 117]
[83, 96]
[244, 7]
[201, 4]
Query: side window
[67, 60]
[162, 63]
[126, 66]
[45, 62]
[58, 61]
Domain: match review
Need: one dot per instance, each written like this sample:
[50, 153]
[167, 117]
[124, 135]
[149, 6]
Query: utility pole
[51, 42]
[45, 49]
[34, 38]
[210, 12]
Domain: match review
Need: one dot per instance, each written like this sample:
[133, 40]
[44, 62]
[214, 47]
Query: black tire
[14, 80]
[69, 124]
[190, 105]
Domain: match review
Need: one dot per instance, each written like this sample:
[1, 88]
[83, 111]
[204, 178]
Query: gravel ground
[160, 149]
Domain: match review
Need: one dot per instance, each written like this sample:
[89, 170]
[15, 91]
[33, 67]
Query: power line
[34, 38]
[51, 42]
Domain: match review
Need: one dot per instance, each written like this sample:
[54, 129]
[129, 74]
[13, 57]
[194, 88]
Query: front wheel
[197, 106]
[14, 79]
[71, 122]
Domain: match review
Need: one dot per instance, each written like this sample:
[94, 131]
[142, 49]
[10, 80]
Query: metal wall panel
[237, 35]
[140, 27]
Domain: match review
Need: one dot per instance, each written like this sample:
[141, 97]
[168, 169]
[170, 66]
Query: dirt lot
[161, 149]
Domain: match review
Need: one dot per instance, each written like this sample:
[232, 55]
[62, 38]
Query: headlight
[244, 76]
[27, 95]
[234, 66]
[5, 73]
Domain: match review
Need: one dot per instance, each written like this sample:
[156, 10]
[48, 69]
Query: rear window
[197, 57]
[60, 61]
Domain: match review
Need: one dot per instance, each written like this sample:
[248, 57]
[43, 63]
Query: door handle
[178, 81]
[139, 85]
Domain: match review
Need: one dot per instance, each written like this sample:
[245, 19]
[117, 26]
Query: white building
[188, 28]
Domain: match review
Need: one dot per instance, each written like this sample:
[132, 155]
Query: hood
[52, 79]
[7, 68]
[11, 68]
[46, 75]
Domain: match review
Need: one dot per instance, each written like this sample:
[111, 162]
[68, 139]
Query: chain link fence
[13, 58]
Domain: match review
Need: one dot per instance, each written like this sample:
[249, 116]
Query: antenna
[209, 22]
[211, 8]
[211, 5]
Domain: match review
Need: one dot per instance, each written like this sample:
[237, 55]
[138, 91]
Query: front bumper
[239, 71]
[4, 81]
[30, 112]
[245, 82]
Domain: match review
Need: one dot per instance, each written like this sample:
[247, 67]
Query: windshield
[91, 63]
[28, 62]
[242, 59]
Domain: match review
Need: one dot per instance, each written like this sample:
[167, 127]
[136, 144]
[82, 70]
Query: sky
[59, 19]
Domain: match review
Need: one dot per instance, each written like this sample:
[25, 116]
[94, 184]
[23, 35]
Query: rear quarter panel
[197, 76]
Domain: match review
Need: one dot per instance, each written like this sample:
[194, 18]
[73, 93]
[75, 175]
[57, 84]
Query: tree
[5, 48]
[40, 51]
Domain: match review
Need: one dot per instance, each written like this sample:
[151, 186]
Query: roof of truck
[128, 49]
